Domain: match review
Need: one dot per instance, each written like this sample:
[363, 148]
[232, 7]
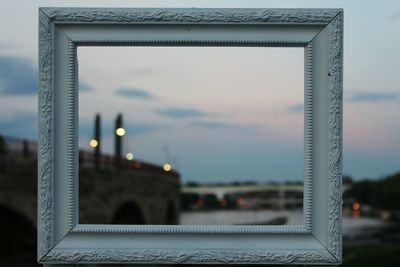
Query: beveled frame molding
[61, 239]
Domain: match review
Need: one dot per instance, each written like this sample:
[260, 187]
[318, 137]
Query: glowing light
[224, 202]
[93, 143]
[120, 131]
[385, 215]
[356, 206]
[240, 202]
[199, 202]
[129, 156]
[167, 167]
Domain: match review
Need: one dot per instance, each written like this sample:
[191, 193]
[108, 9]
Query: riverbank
[355, 229]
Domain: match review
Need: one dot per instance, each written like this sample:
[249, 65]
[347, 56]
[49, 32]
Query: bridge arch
[17, 238]
[128, 213]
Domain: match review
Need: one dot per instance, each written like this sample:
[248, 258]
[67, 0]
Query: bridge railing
[88, 160]
[10, 146]
[14, 148]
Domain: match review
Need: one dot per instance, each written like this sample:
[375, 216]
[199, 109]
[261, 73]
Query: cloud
[134, 93]
[18, 76]
[394, 16]
[20, 125]
[85, 87]
[145, 128]
[296, 108]
[182, 113]
[212, 125]
[86, 128]
[373, 97]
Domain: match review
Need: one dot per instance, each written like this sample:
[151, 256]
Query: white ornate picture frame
[61, 239]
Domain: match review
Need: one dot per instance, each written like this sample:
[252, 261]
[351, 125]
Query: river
[353, 227]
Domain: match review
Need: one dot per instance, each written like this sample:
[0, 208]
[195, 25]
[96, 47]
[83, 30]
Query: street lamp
[129, 156]
[94, 143]
[167, 167]
[120, 131]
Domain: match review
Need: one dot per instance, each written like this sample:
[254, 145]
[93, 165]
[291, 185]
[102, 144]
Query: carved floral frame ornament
[61, 239]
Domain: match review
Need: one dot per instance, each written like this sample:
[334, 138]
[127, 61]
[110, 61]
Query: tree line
[383, 193]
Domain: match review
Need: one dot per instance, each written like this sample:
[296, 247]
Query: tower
[119, 133]
[97, 137]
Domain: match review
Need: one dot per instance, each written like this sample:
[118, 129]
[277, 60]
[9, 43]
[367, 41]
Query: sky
[224, 118]
[221, 113]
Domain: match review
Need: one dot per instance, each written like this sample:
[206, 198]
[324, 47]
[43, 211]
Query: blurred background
[206, 135]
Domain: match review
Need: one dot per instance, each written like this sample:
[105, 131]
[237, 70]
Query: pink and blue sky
[224, 113]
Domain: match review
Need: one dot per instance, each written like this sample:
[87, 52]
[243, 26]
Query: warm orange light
[356, 206]
[240, 201]
[199, 202]
[385, 215]
[224, 202]
[167, 167]
[120, 131]
[93, 143]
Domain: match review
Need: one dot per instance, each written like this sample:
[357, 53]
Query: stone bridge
[130, 192]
